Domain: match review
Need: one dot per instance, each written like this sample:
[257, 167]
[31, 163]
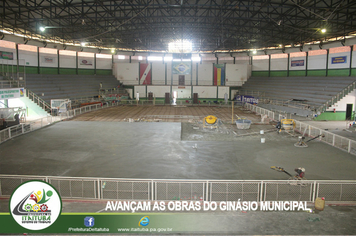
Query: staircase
[39, 101]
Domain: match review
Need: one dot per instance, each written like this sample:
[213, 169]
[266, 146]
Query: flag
[219, 74]
[145, 73]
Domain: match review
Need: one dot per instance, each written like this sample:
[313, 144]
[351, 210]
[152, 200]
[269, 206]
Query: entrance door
[181, 80]
[348, 111]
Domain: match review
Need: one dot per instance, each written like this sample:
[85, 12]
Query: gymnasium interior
[180, 100]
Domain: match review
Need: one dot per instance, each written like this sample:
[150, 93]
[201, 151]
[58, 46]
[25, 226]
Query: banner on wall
[247, 99]
[338, 60]
[145, 73]
[219, 74]
[297, 63]
[6, 55]
[49, 60]
[12, 93]
[86, 62]
[181, 68]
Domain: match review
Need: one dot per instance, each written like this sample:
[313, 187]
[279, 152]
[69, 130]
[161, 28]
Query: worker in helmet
[300, 172]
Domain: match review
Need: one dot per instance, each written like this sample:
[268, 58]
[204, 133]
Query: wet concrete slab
[156, 150]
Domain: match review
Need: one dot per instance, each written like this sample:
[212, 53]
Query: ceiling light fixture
[323, 30]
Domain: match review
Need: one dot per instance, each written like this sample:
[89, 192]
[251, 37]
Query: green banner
[75, 223]
[6, 55]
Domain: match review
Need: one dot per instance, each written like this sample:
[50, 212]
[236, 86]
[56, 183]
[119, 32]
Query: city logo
[144, 221]
[35, 205]
[89, 221]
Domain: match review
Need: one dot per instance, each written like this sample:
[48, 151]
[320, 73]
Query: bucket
[263, 140]
[262, 131]
[319, 203]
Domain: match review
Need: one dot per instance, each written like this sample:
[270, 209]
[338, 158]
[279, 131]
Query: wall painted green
[260, 73]
[329, 115]
[353, 72]
[86, 71]
[103, 72]
[316, 73]
[48, 70]
[297, 73]
[279, 73]
[29, 69]
[339, 72]
[331, 72]
[67, 71]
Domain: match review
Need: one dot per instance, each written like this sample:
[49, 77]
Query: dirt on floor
[168, 113]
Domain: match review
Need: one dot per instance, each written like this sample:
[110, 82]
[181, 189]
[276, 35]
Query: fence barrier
[189, 190]
[332, 139]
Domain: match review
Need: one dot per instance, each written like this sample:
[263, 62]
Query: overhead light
[168, 58]
[323, 30]
[254, 51]
[83, 44]
[42, 28]
[280, 45]
[112, 50]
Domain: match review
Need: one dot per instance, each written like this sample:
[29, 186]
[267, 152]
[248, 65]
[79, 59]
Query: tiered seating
[68, 86]
[314, 90]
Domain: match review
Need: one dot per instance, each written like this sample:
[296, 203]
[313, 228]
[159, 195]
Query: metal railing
[17, 130]
[11, 84]
[348, 89]
[189, 190]
[332, 139]
[39, 101]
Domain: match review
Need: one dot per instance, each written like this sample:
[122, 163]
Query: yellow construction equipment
[211, 122]
[286, 124]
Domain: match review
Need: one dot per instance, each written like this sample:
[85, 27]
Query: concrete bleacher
[68, 86]
[314, 91]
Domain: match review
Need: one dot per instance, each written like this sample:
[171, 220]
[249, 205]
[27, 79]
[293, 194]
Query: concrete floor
[164, 150]
[155, 150]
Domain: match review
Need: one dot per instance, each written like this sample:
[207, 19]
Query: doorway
[349, 111]
[175, 96]
[181, 80]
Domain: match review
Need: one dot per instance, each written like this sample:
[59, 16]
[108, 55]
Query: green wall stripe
[279, 73]
[329, 115]
[260, 73]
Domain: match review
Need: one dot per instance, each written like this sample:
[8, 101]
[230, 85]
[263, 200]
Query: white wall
[127, 73]
[7, 46]
[260, 65]
[222, 90]
[341, 105]
[48, 57]
[194, 73]
[317, 62]
[297, 59]
[103, 62]
[205, 74]
[236, 74]
[158, 91]
[279, 64]
[354, 58]
[158, 73]
[205, 91]
[28, 54]
[187, 79]
[182, 91]
[86, 60]
[141, 89]
[339, 65]
[67, 59]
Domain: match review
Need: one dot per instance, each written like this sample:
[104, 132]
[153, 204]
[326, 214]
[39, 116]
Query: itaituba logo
[35, 205]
